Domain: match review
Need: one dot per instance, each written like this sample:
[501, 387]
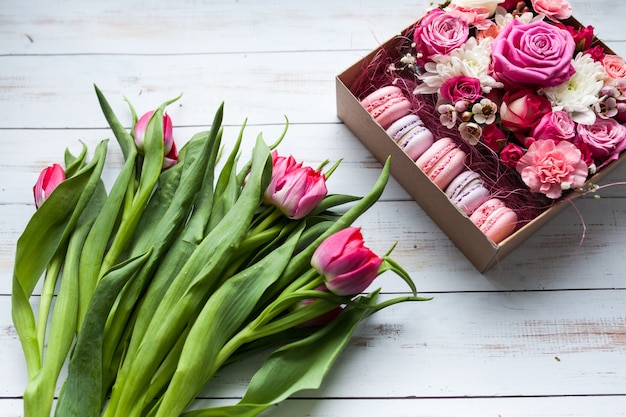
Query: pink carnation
[473, 16]
[553, 9]
[549, 167]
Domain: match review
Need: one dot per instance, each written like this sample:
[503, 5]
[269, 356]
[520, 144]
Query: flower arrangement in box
[530, 95]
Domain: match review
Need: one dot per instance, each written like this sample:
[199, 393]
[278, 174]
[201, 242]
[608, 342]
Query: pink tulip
[171, 158]
[48, 180]
[347, 265]
[139, 132]
[294, 189]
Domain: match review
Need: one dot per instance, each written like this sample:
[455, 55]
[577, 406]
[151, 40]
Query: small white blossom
[485, 111]
[447, 116]
[470, 132]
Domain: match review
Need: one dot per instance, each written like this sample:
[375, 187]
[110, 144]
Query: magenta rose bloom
[557, 125]
[605, 139]
[511, 154]
[438, 33]
[461, 88]
[549, 167]
[535, 54]
[493, 137]
[522, 109]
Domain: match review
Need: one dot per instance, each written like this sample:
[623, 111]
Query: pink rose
[511, 154]
[614, 66]
[493, 137]
[553, 9]
[549, 167]
[522, 109]
[605, 139]
[461, 88]
[438, 33]
[535, 54]
[473, 16]
[557, 125]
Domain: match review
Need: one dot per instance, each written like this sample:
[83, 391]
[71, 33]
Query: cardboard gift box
[480, 250]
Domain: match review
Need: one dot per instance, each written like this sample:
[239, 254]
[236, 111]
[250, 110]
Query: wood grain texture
[541, 334]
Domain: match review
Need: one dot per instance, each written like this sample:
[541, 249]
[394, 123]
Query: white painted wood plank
[605, 406]
[458, 407]
[538, 343]
[263, 87]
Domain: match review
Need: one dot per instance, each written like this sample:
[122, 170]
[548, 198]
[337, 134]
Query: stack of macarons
[442, 160]
[490, 214]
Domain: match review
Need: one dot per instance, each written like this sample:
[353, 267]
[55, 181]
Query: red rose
[511, 154]
[583, 37]
[461, 88]
[493, 137]
[522, 109]
[596, 53]
[509, 5]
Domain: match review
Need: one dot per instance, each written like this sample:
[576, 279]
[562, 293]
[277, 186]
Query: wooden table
[541, 334]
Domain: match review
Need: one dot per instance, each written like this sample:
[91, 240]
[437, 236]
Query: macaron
[467, 191]
[411, 135]
[386, 105]
[495, 219]
[442, 162]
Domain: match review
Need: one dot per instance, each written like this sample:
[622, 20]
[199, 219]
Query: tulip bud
[347, 265]
[171, 158]
[48, 180]
[295, 190]
[139, 132]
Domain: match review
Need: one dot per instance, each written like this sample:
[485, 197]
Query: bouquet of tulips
[180, 268]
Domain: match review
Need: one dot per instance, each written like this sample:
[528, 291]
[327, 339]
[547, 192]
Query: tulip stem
[47, 294]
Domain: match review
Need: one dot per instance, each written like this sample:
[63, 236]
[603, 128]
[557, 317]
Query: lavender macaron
[411, 135]
[467, 191]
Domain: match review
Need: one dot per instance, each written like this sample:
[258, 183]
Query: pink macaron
[495, 219]
[386, 105]
[467, 191]
[443, 161]
[411, 135]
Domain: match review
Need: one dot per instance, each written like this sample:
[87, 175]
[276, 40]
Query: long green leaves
[176, 273]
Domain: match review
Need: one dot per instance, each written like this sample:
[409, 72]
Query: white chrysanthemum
[471, 60]
[578, 95]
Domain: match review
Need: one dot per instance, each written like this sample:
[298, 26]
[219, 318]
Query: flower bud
[295, 190]
[139, 132]
[347, 265]
[48, 180]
